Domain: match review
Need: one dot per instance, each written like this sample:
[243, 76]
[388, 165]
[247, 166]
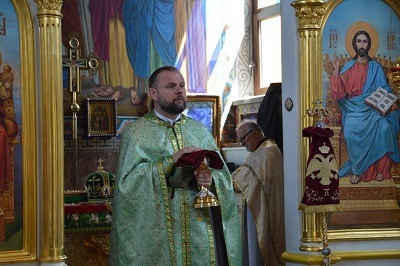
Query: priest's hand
[182, 151]
[204, 177]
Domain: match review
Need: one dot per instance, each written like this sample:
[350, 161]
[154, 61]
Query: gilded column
[309, 15]
[52, 204]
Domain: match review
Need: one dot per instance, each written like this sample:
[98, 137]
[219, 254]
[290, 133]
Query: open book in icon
[382, 101]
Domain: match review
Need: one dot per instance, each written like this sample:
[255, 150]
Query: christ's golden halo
[362, 25]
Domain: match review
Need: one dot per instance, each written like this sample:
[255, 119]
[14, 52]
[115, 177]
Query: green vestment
[154, 224]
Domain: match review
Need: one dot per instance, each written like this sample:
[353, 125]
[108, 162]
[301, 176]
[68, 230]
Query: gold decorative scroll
[49, 6]
[309, 14]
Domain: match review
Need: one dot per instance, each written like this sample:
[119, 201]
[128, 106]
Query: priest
[154, 218]
[260, 180]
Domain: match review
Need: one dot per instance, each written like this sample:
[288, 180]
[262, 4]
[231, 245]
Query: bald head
[249, 134]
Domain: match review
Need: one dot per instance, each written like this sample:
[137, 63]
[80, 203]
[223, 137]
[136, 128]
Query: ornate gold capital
[49, 6]
[309, 13]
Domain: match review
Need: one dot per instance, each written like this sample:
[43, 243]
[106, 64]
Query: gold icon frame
[211, 105]
[107, 126]
[312, 16]
[27, 106]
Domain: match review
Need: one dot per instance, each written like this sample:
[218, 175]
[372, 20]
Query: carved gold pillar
[309, 14]
[52, 208]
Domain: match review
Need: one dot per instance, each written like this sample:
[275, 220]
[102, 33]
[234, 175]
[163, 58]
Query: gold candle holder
[205, 198]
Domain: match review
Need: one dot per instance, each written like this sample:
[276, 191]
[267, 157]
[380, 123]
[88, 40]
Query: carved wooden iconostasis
[369, 207]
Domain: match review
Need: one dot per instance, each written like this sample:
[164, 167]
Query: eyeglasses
[242, 140]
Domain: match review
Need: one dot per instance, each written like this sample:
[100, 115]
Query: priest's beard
[172, 107]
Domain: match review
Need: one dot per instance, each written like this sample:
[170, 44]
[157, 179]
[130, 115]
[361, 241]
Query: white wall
[291, 126]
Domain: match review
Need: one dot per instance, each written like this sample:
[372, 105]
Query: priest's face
[246, 138]
[170, 95]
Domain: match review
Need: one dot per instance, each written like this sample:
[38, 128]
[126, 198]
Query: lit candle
[397, 67]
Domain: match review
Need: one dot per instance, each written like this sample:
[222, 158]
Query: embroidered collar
[152, 116]
[268, 142]
[166, 119]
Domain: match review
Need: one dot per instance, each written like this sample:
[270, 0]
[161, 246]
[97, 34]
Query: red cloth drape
[322, 182]
[195, 158]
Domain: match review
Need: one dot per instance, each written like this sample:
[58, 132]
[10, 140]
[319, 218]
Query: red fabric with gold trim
[321, 180]
[195, 158]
